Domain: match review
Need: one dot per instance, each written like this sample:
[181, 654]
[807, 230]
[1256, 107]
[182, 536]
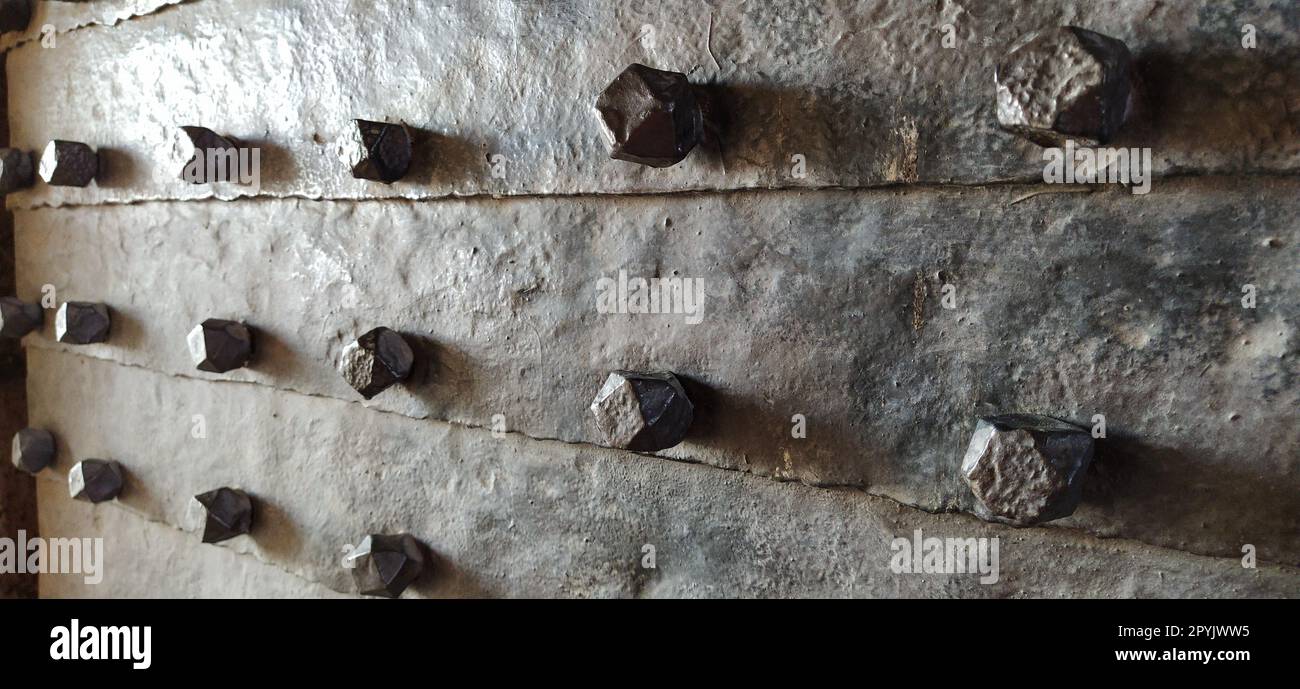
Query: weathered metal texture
[513, 516]
[227, 513]
[57, 18]
[82, 323]
[68, 164]
[1026, 469]
[380, 151]
[33, 450]
[376, 361]
[190, 571]
[866, 93]
[213, 157]
[1066, 84]
[385, 564]
[18, 317]
[826, 304]
[15, 170]
[95, 480]
[643, 412]
[651, 116]
[219, 346]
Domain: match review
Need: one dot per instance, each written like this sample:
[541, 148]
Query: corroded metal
[82, 322]
[95, 480]
[643, 412]
[15, 170]
[68, 164]
[228, 512]
[1065, 84]
[33, 449]
[17, 317]
[1026, 468]
[376, 361]
[384, 565]
[650, 116]
[218, 345]
[215, 157]
[380, 151]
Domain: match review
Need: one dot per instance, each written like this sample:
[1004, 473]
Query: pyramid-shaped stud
[379, 151]
[82, 322]
[33, 449]
[385, 564]
[68, 164]
[95, 480]
[17, 317]
[228, 512]
[643, 412]
[376, 361]
[650, 116]
[218, 345]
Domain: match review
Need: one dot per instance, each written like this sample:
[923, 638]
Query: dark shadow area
[441, 578]
[274, 530]
[272, 356]
[1159, 492]
[757, 126]
[17, 489]
[440, 160]
[117, 170]
[1231, 103]
[275, 165]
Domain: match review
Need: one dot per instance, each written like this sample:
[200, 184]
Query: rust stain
[920, 290]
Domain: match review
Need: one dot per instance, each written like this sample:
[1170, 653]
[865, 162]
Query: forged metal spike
[33, 449]
[82, 322]
[1065, 84]
[1026, 468]
[376, 361]
[384, 565]
[15, 170]
[218, 346]
[643, 412]
[215, 157]
[228, 512]
[650, 116]
[68, 164]
[95, 480]
[17, 317]
[14, 15]
[379, 151]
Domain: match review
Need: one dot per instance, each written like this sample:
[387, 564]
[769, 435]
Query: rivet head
[15, 170]
[81, 322]
[218, 345]
[379, 151]
[33, 449]
[376, 361]
[384, 565]
[643, 412]
[95, 480]
[68, 164]
[650, 116]
[1065, 84]
[215, 157]
[17, 317]
[1026, 468]
[227, 512]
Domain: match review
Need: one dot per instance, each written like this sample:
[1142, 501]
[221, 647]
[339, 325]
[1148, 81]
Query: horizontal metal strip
[887, 320]
[501, 93]
[507, 516]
